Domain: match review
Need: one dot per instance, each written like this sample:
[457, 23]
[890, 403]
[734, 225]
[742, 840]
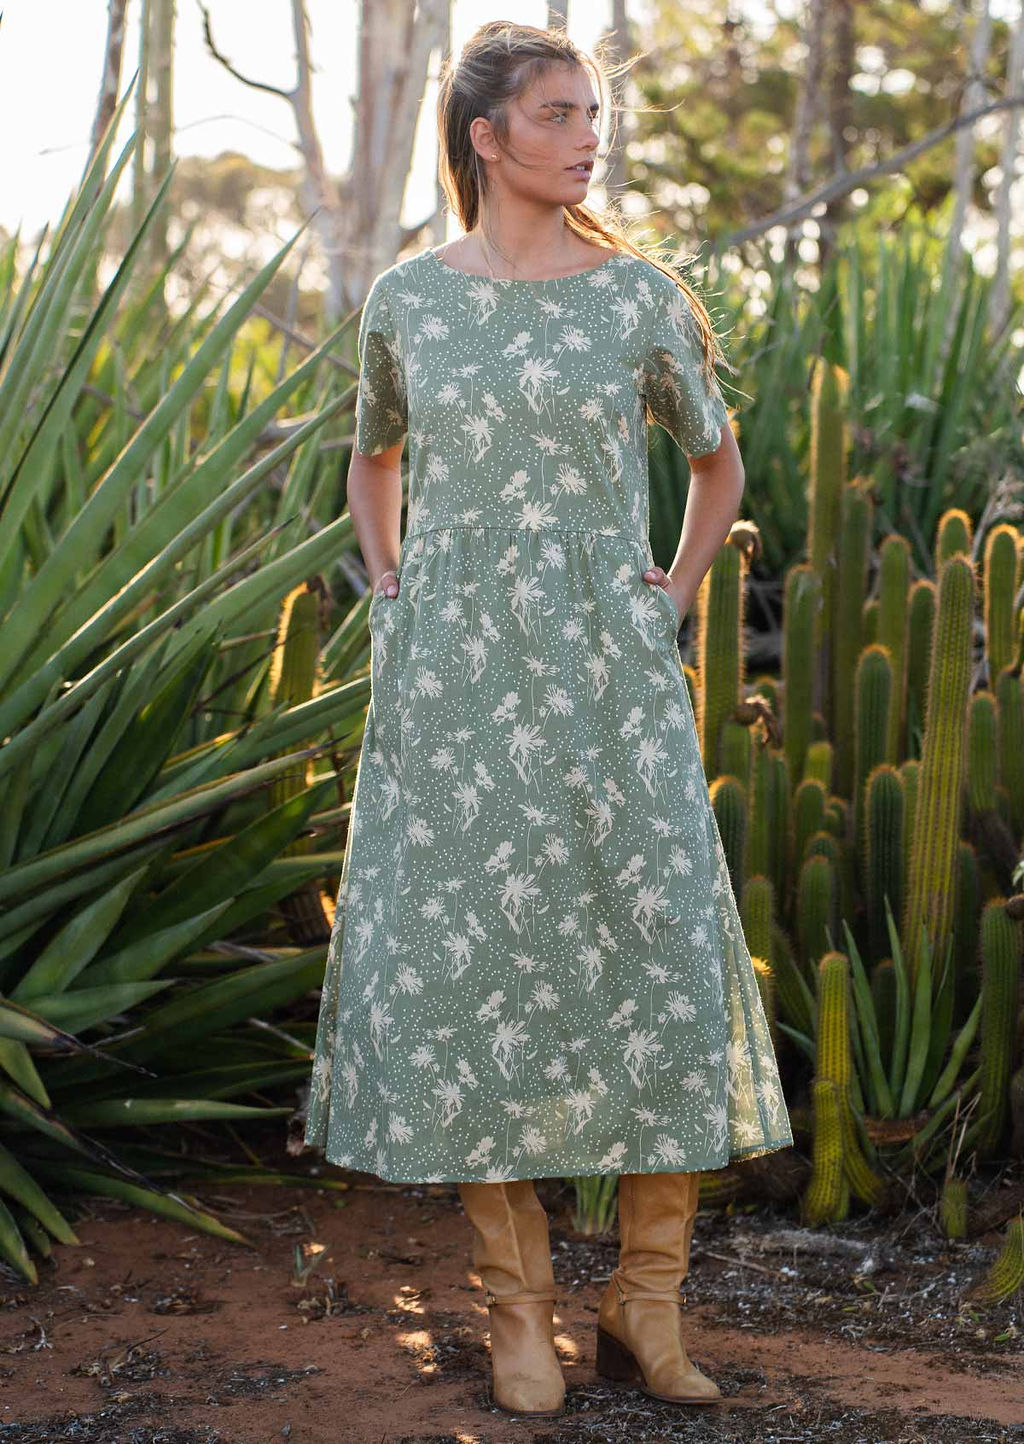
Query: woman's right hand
[387, 583]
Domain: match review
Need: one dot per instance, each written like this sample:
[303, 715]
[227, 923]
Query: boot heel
[614, 1360]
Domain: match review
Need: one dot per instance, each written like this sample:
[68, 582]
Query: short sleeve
[673, 378]
[381, 406]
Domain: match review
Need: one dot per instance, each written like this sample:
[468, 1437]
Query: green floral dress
[537, 967]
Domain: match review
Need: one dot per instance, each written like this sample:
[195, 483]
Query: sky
[48, 90]
[51, 53]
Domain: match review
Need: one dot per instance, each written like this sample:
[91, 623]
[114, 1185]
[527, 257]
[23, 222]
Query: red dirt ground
[150, 1333]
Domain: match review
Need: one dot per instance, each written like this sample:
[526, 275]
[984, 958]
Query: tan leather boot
[638, 1321]
[512, 1255]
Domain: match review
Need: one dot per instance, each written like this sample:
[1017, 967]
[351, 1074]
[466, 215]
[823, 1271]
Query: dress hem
[756, 1150]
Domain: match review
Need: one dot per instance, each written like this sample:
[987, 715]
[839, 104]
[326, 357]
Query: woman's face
[554, 131]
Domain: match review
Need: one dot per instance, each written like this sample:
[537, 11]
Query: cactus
[830, 386]
[937, 819]
[854, 555]
[982, 751]
[871, 728]
[953, 538]
[1000, 984]
[819, 763]
[779, 794]
[869, 622]
[801, 609]
[760, 834]
[720, 655]
[832, 1058]
[1001, 580]
[921, 621]
[816, 907]
[766, 988]
[729, 801]
[734, 751]
[910, 776]
[808, 814]
[1006, 1275]
[757, 910]
[884, 862]
[893, 582]
[823, 1200]
[953, 1208]
[965, 928]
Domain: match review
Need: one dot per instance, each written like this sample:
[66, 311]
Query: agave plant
[155, 776]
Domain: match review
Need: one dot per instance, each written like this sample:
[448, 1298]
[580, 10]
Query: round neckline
[521, 281]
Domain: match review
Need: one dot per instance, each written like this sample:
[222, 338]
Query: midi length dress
[537, 968]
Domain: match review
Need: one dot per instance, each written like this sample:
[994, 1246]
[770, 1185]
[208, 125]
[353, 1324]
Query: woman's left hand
[658, 577]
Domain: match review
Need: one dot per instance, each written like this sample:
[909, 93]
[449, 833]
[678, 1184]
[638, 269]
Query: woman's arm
[712, 505]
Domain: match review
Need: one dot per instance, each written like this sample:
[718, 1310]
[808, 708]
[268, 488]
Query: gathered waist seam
[532, 531]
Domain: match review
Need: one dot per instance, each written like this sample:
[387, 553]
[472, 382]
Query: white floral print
[537, 966]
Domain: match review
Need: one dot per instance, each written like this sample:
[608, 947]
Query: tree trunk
[999, 303]
[808, 100]
[111, 80]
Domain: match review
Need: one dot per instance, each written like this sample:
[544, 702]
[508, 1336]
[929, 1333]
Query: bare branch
[849, 180]
[223, 60]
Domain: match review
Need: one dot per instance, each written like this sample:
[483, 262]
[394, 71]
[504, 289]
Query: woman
[542, 972]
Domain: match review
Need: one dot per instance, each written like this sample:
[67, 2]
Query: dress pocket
[672, 622]
[383, 618]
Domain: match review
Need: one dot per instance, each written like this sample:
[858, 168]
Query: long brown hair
[497, 63]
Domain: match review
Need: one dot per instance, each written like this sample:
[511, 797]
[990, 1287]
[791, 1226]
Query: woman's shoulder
[408, 274]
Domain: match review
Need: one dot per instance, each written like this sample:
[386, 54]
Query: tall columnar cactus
[1001, 573]
[830, 386]
[854, 558]
[757, 911]
[869, 622]
[819, 763]
[1000, 986]
[729, 800]
[808, 815]
[937, 815]
[982, 751]
[910, 776]
[953, 536]
[734, 751]
[780, 791]
[1010, 716]
[800, 622]
[921, 621]
[871, 727]
[720, 654]
[816, 907]
[760, 834]
[765, 979]
[833, 1082]
[884, 861]
[827, 1196]
[953, 1208]
[893, 587]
